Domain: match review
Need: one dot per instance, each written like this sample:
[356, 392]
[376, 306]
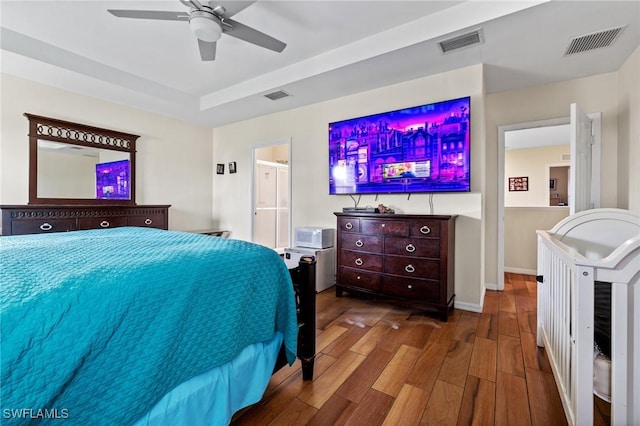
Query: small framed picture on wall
[220, 169]
[232, 167]
[519, 183]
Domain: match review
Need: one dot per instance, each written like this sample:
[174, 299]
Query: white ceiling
[537, 137]
[334, 48]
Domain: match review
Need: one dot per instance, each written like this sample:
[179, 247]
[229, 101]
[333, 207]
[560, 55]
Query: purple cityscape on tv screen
[112, 180]
[418, 149]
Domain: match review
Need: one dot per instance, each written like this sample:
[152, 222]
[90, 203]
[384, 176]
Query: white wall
[311, 202]
[173, 160]
[629, 134]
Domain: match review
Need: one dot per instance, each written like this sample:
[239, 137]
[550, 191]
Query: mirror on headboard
[72, 163]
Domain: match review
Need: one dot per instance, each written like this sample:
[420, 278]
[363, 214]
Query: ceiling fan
[208, 23]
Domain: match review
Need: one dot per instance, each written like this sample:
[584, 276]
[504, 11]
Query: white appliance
[313, 237]
[325, 264]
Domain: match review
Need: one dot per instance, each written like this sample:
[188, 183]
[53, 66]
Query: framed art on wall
[220, 169]
[519, 183]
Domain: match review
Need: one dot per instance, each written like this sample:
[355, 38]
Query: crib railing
[566, 325]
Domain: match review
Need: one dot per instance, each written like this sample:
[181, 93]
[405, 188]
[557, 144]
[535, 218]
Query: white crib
[593, 245]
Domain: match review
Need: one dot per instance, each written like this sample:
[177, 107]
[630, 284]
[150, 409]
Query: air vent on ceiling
[592, 41]
[278, 94]
[463, 40]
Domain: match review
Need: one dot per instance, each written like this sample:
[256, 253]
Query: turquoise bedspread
[96, 326]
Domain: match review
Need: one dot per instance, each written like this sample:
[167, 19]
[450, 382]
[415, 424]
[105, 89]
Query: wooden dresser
[38, 219]
[405, 257]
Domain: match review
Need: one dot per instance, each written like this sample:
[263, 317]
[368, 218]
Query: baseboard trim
[490, 286]
[472, 307]
[520, 271]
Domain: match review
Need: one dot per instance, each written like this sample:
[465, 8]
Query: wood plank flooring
[380, 363]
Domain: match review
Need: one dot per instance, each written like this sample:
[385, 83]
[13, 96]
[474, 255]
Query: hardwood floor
[379, 363]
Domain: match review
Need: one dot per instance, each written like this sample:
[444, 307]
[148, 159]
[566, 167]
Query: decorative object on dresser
[80, 177]
[405, 257]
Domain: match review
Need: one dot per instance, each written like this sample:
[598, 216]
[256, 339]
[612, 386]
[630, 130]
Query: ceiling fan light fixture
[205, 27]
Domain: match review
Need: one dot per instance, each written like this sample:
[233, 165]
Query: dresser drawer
[367, 243]
[21, 227]
[354, 259]
[384, 227]
[412, 267]
[414, 247]
[348, 224]
[149, 221]
[425, 228]
[360, 279]
[101, 222]
[410, 288]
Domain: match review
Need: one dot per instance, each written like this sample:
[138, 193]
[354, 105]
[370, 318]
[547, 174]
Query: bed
[145, 326]
[589, 291]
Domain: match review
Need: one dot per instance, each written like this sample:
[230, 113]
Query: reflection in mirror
[73, 171]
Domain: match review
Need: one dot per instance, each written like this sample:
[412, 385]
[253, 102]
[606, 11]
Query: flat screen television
[424, 148]
[112, 180]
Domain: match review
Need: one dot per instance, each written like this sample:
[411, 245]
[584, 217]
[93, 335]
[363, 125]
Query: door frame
[596, 157]
[254, 148]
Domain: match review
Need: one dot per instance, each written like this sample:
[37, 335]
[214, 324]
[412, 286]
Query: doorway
[593, 183]
[271, 214]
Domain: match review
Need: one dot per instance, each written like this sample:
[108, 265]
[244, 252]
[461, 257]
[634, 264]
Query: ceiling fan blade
[243, 32]
[207, 50]
[194, 4]
[150, 14]
[231, 7]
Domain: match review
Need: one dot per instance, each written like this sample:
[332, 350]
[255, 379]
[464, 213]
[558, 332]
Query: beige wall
[534, 164]
[311, 202]
[521, 244]
[173, 161]
[629, 134]
[65, 175]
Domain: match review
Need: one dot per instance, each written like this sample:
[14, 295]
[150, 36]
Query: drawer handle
[383, 225]
[104, 224]
[46, 226]
[410, 269]
[359, 243]
[348, 225]
[409, 286]
[359, 262]
[410, 248]
[148, 221]
[358, 277]
[425, 230]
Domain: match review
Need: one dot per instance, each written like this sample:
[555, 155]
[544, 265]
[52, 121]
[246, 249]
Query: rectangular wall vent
[464, 40]
[278, 94]
[566, 157]
[593, 41]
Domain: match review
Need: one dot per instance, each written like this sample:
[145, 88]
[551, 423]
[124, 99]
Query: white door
[266, 201]
[580, 173]
[271, 215]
